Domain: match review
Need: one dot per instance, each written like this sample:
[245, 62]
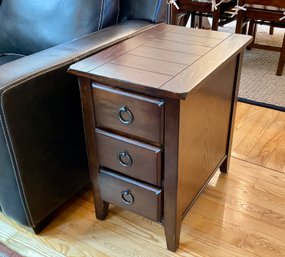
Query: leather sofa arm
[42, 155]
[70, 52]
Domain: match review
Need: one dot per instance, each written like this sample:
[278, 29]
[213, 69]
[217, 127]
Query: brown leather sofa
[42, 151]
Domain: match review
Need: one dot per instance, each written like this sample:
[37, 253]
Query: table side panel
[204, 127]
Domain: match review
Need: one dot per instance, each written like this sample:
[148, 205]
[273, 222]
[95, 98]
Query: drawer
[131, 114]
[130, 157]
[131, 195]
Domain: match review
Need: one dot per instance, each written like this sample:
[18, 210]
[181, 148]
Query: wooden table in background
[158, 111]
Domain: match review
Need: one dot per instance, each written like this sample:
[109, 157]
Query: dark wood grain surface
[101, 209]
[179, 86]
[107, 103]
[204, 127]
[147, 199]
[166, 60]
[109, 146]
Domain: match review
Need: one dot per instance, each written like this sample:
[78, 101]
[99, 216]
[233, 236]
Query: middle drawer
[133, 158]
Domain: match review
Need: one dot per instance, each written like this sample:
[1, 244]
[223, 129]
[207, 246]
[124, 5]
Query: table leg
[172, 205]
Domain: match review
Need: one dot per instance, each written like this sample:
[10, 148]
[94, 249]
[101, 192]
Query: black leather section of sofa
[149, 10]
[5, 58]
[30, 26]
[43, 121]
[42, 156]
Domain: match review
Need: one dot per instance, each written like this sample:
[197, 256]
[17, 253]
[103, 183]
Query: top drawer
[129, 113]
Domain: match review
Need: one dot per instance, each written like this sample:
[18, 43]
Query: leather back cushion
[30, 26]
[149, 10]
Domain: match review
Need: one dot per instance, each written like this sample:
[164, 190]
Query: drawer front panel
[128, 113]
[130, 157]
[132, 195]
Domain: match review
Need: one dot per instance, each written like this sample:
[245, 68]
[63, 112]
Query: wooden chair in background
[201, 8]
[268, 12]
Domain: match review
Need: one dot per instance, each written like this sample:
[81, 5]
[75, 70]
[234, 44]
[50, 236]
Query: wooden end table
[159, 110]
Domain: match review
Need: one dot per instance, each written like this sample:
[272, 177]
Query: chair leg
[251, 30]
[200, 21]
[192, 22]
[216, 17]
[281, 59]
[271, 30]
[254, 32]
[183, 19]
[240, 23]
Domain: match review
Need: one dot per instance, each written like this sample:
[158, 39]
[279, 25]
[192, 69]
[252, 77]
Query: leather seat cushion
[5, 58]
[30, 26]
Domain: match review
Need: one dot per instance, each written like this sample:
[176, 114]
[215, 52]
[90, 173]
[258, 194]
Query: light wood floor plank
[268, 151]
[260, 136]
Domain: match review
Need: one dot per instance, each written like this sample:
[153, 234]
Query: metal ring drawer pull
[125, 115]
[127, 197]
[125, 159]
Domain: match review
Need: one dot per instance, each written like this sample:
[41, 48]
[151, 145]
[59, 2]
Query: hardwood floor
[241, 213]
[260, 136]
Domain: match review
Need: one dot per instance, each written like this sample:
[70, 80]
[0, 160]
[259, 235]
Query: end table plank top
[164, 60]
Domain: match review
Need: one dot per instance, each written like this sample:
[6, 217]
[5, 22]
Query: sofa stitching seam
[155, 11]
[19, 186]
[100, 18]
[103, 16]
[119, 10]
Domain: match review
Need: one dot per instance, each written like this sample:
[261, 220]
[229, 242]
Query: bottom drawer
[132, 195]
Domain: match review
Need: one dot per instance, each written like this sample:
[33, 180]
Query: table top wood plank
[125, 74]
[169, 67]
[178, 37]
[200, 71]
[149, 64]
[116, 50]
[201, 33]
[178, 47]
[165, 55]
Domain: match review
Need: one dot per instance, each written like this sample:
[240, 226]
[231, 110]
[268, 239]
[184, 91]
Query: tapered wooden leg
[101, 209]
[192, 22]
[200, 22]
[271, 30]
[183, 19]
[172, 198]
[251, 30]
[172, 235]
[240, 23]
[225, 165]
[281, 59]
[216, 17]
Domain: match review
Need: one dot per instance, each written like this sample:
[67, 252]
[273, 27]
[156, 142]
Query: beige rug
[259, 84]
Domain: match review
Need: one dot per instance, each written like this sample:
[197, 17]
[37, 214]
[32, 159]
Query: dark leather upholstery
[42, 151]
[30, 26]
[148, 10]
